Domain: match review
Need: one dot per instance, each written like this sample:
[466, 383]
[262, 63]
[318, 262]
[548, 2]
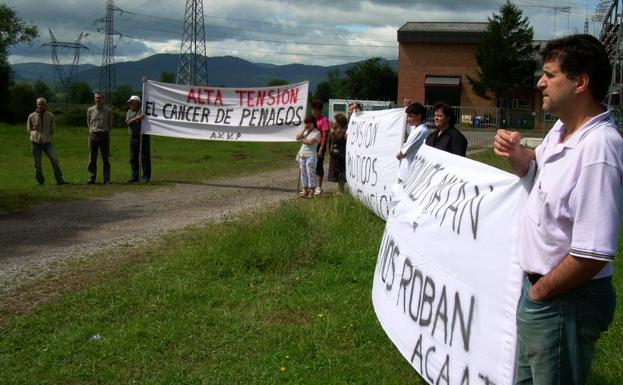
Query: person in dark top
[337, 151]
[139, 142]
[446, 137]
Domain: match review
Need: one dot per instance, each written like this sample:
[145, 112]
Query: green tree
[22, 101]
[506, 55]
[167, 77]
[13, 30]
[323, 92]
[119, 97]
[43, 90]
[277, 82]
[372, 79]
[80, 93]
[339, 84]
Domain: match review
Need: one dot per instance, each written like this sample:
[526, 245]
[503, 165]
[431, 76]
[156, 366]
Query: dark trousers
[135, 152]
[99, 141]
[48, 149]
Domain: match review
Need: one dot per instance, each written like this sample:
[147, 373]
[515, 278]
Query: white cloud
[260, 30]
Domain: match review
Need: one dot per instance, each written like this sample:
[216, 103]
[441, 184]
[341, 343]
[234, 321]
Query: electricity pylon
[108, 77]
[65, 72]
[192, 67]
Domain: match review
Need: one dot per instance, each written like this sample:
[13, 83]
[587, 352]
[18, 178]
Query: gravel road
[35, 241]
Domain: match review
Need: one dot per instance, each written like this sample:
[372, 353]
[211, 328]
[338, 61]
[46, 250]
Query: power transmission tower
[192, 68]
[65, 77]
[610, 37]
[108, 78]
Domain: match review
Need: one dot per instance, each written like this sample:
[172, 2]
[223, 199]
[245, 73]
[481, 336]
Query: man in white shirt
[572, 220]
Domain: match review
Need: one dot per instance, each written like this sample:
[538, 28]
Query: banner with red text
[447, 280]
[374, 139]
[269, 114]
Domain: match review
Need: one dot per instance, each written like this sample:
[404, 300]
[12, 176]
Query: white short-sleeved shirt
[417, 136]
[308, 150]
[576, 204]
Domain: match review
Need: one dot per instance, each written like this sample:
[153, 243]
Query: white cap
[134, 97]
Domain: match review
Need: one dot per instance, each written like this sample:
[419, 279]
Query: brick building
[435, 59]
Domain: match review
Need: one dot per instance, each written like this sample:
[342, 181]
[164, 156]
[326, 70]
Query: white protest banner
[374, 139]
[446, 283]
[270, 114]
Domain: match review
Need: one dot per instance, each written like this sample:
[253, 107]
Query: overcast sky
[323, 32]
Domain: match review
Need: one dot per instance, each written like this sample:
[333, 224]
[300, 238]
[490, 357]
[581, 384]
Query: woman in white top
[309, 137]
[416, 119]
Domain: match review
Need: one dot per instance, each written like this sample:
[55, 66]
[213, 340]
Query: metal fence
[479, 124]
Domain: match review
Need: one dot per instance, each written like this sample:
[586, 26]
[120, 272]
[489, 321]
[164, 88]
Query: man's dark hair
[447, 111]
[582, 54]
[416, 109]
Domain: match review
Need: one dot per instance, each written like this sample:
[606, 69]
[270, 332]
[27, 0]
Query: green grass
[281, 297]
[173, 160]
[278, 297]
[489, 157]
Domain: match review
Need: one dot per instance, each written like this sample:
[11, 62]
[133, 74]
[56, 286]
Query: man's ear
[582, 83]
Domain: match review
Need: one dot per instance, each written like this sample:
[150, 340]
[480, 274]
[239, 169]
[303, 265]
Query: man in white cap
[139, 143]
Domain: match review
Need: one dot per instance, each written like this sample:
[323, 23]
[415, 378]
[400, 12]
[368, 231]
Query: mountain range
[223, 71]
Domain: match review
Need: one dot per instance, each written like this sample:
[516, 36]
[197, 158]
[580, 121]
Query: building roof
[442, 32]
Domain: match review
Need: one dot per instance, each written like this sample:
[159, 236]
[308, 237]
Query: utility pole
[65, 77]
[108, 78]
[192, 68]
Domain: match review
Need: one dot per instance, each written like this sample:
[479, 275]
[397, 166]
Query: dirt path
[34, 242]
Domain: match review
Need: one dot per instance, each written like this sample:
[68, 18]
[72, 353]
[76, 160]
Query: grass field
[278, 297]
[281, 297]
[173, 160]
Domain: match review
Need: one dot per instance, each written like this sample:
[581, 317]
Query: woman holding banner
[446, 137]
[309, 138]
[416, 121]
